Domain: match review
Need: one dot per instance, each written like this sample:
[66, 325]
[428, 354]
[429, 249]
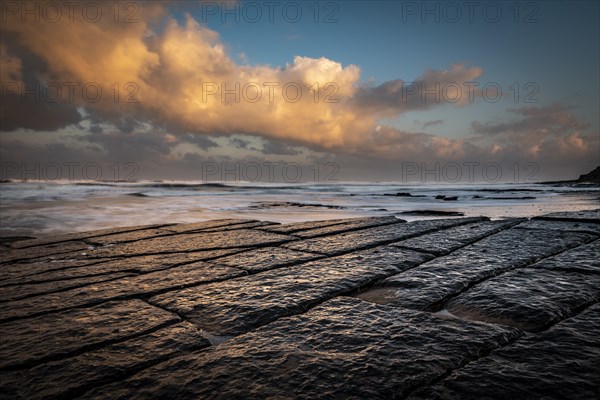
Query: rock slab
[357, 308]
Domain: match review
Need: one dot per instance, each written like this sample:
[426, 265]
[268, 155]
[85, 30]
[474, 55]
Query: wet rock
[9, 240]
[529, 299]
[240, 305]
[123, 288]
[16, 255]
[310, 225]
[587, 215]
[280, 289]
[511, 198]
[431, 284]
[61, 335]
[574, 226]
[73, 376]
[88, 265]
[196, 242]
[582, 259]
[403, 194]
[16, 292]
[12, 272]
[450, 198]
[166, 230]
[216, 224]
[445, 241]
[352, 225]
[266, 258]
[561, 363]
[344, 348]
[349, 241]
[81, 236]
[128, 237]
[433, 213]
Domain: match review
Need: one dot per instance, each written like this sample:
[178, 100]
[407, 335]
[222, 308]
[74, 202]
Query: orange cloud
[182, 77]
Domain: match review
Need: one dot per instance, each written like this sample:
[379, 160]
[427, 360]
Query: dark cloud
[204, 142]
[432, 88]
[138, 146]
[25, 100]
[553, 119]
[239, 143]
[272, 147]
[432, 123]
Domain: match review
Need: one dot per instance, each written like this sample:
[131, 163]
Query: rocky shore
[369, 308]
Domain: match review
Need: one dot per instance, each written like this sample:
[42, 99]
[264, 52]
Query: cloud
[272, 147]
[10, 66]
[553, 119]
[204, 142]
[18, 84]
[180, 75]
[432, 88]
[239, 143]
[539, 131]
[166, 82]
[427, 124]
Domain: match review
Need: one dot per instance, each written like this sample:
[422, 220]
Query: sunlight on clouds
[181, 69]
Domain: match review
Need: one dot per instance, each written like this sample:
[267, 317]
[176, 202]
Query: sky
[355, 90]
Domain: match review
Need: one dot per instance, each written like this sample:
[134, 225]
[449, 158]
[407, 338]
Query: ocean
[41, 208]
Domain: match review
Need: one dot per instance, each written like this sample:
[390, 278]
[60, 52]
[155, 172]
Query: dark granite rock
[403, 194]
[582, 259]
[445, 241]
[240, 305]
[199, 227]
[433, 213]
[360, 223]
[561, 363]
[529, 299]
[145, 284]
[81, 236]
[99, 314]
[15, 255]
[80, 266]
[61, 335]
[574, 226]
[587, 215]
[18, 272]
[381, 235]
[344, 348]
[16, 292]
[431, 284]
[195, 242]
[266, 258]
[312, 225]
[218, 225]
[73, 376]
[9, 240]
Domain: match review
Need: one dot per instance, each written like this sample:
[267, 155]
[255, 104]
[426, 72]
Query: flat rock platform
[368, 308]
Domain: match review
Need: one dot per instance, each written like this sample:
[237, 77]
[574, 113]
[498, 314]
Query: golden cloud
[181, 75]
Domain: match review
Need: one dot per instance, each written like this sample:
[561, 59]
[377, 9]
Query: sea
[37, 208]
